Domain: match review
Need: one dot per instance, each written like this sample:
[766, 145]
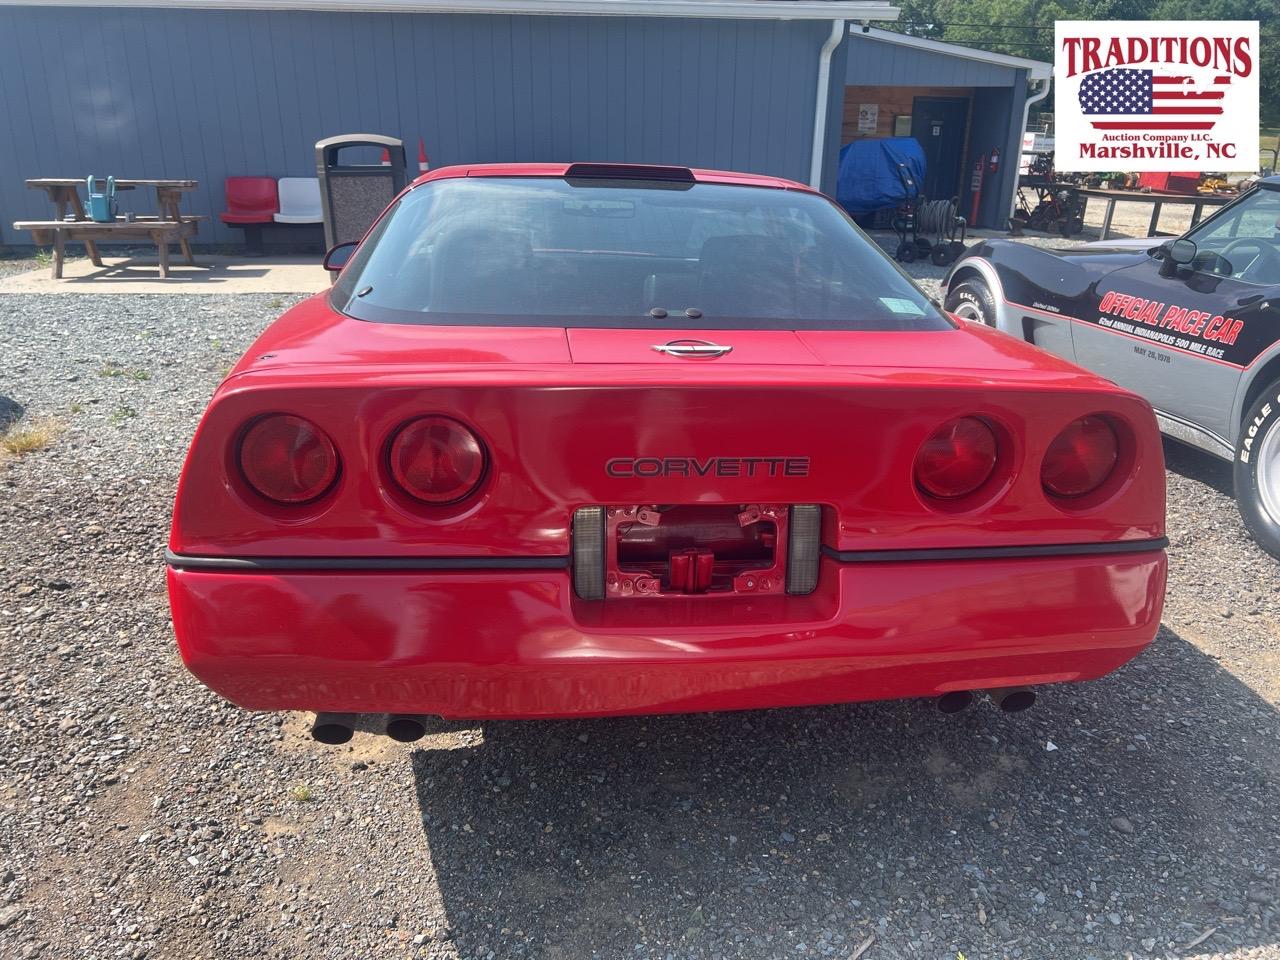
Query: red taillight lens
[956, 459]
[437, 460]
[1081, 458]
[288, 459]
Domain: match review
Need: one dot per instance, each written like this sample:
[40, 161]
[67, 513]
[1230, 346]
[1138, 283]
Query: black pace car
[1192, 324]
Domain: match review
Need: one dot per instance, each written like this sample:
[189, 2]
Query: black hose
[938, 218]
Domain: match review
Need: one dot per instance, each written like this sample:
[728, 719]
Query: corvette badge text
[1156, 95]
[707, 467]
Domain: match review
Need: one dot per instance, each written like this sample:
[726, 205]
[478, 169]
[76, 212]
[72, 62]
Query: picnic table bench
[69, 223]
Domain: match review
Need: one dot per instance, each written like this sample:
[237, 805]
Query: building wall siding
[877, 62]
[206, 94]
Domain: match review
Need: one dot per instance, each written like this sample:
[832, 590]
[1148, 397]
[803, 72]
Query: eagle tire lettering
[972, 300]
[1257, 479]
[1251, 431]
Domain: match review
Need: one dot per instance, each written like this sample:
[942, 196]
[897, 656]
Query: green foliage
[1024, 28]
[122, 414]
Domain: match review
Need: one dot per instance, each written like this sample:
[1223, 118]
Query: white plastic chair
[299, 200]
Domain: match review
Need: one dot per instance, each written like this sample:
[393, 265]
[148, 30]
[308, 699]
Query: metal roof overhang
[719, 9]
[1036, 69]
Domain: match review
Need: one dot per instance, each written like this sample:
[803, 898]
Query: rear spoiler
[628, 171]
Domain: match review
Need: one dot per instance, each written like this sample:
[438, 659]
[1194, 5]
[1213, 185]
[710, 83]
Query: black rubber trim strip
[184, 562]
[995, 553]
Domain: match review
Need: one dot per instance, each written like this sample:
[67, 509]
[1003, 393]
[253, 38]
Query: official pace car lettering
[1170, 324]
[627, 467]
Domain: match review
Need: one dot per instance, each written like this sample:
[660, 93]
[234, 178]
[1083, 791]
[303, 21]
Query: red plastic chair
[251, 202]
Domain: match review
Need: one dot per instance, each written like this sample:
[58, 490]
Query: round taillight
[288, 459]
[437, 460]
[957, 459]
[1081, 458]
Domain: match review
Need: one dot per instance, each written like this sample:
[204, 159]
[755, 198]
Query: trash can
[353, 194]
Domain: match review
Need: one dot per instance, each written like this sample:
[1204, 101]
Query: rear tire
[972, 300]
[1257, 478]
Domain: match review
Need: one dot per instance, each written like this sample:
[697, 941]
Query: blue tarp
[872, 173]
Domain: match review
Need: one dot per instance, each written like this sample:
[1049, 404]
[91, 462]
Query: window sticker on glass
[898, 305]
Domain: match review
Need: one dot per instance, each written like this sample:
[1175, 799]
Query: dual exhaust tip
[337, 728]
[1008, 699]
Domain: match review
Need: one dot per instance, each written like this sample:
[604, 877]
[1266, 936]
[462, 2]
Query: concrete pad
[211, 274]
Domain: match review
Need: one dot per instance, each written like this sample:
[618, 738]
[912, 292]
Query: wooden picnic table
[1157, 200]
[70, 223]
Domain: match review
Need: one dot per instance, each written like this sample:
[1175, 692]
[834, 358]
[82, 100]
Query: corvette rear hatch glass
[549, 251]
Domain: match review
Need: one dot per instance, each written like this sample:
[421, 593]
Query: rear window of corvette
[547, 251]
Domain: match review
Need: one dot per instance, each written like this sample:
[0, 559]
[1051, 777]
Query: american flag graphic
[1150, 101]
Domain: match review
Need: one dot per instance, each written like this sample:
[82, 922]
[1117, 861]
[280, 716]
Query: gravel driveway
[141, 816]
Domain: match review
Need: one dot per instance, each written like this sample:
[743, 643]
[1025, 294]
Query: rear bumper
[518, 644]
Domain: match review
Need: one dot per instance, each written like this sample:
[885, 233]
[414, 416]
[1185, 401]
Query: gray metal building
[960, 103]
[206, 90]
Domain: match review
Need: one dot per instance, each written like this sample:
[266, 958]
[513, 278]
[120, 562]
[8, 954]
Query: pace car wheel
[1257, 471]
[972, 300]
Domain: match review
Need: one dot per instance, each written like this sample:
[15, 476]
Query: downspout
[1022, 132]
[820, 108]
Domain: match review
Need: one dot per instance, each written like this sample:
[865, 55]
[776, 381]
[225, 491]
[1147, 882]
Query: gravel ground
[140, 816]
[1132, 219]
[10, 265]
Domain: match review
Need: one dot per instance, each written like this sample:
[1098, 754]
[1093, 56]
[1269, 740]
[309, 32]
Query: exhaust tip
[1014, 700]
[332, 728]
[405, 729]
[953, 701]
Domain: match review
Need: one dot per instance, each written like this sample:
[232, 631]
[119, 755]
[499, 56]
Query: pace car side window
[1243, 241]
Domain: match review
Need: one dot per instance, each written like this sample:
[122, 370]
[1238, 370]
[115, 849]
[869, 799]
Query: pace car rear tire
[972, 300]
[1257, 470]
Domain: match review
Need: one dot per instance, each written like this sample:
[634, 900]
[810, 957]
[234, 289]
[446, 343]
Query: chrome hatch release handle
[693, 349]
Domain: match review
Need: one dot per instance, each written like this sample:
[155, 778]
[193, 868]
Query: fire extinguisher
[975, 187]
[984, 165]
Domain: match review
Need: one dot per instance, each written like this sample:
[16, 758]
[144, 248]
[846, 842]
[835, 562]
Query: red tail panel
[582, 437]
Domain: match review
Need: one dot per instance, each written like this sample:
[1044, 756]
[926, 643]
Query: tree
[1024, 28]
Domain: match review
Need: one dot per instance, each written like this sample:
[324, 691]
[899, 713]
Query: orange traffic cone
[386, 157]
[423, 163]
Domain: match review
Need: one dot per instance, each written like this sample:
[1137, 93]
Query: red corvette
[609, 439]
